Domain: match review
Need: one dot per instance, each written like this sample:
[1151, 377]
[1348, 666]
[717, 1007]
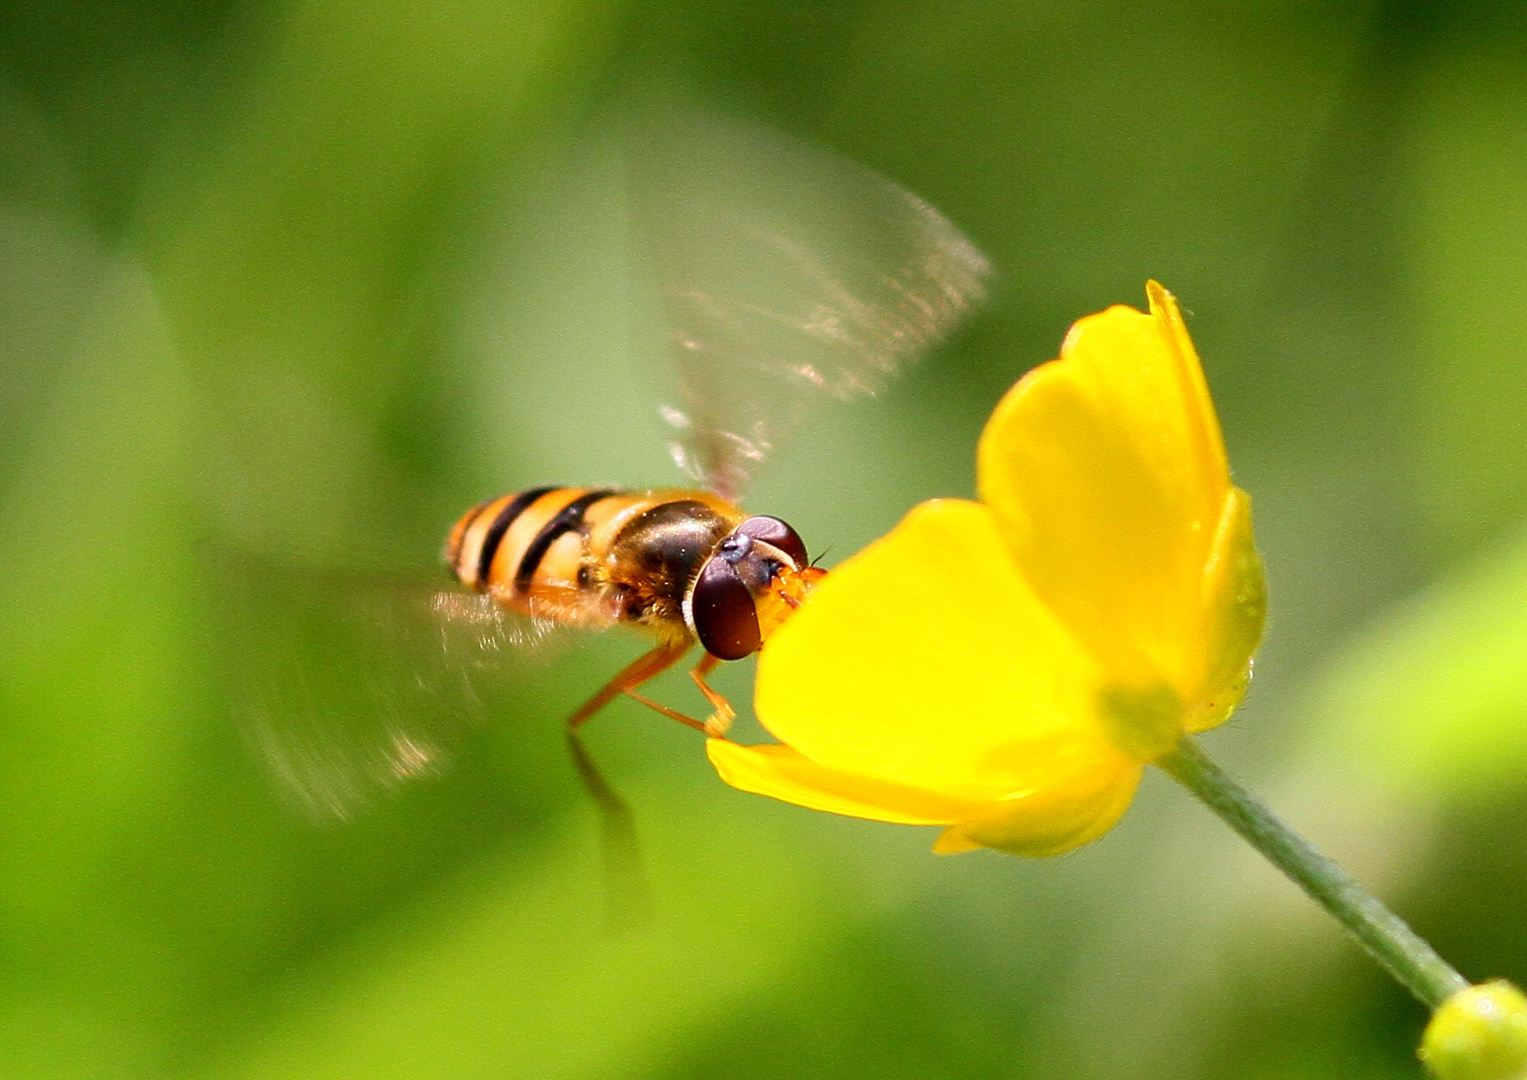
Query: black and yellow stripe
[528, 520]
[502, 519]
[572, 518]
[559, 546]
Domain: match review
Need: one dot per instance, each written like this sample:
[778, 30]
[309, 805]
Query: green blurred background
[302, 280]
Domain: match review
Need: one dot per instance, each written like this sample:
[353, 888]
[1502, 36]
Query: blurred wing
[786, 274]
[349, 687]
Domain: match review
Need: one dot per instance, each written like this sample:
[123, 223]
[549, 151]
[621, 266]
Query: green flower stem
[1401, 952]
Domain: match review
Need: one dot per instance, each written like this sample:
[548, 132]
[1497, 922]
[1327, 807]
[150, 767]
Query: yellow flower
[1006, 667]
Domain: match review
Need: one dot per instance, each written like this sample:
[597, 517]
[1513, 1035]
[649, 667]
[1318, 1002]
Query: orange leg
[719, 721]
[649, 665]
[626, 883]
[626, 897]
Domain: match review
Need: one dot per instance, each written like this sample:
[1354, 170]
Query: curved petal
[926, 661]
[1235, 608]
[1107, 472]
[1078, 807]
[783, 773]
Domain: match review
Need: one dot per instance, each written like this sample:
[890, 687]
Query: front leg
[646, 666]
[720, 720]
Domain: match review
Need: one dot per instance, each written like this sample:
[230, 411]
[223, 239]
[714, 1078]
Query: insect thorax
[656, 555]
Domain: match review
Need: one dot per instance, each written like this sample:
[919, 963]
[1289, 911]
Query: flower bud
[1479, 1034]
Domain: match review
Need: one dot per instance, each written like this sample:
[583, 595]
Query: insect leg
[719, 721]
[626, 896]
[626, 888]
[644, 667]
[672, 714]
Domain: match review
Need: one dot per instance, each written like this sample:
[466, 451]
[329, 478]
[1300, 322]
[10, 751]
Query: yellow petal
[783, 773]
[1081, 804]
[1235, 608]
[926, 661]
[1107, 472]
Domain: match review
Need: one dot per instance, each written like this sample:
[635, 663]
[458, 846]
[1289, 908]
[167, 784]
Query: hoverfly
[785, 275]
[684, 566]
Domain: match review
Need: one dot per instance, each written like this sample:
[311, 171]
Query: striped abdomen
[590, 556]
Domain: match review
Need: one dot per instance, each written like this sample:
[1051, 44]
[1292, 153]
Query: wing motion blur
[787, 274]
[350, 686]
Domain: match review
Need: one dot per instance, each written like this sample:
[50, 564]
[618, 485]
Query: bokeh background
[287, 285]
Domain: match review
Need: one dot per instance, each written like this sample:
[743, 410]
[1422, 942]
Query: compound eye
[723, 612]
[771, 530]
